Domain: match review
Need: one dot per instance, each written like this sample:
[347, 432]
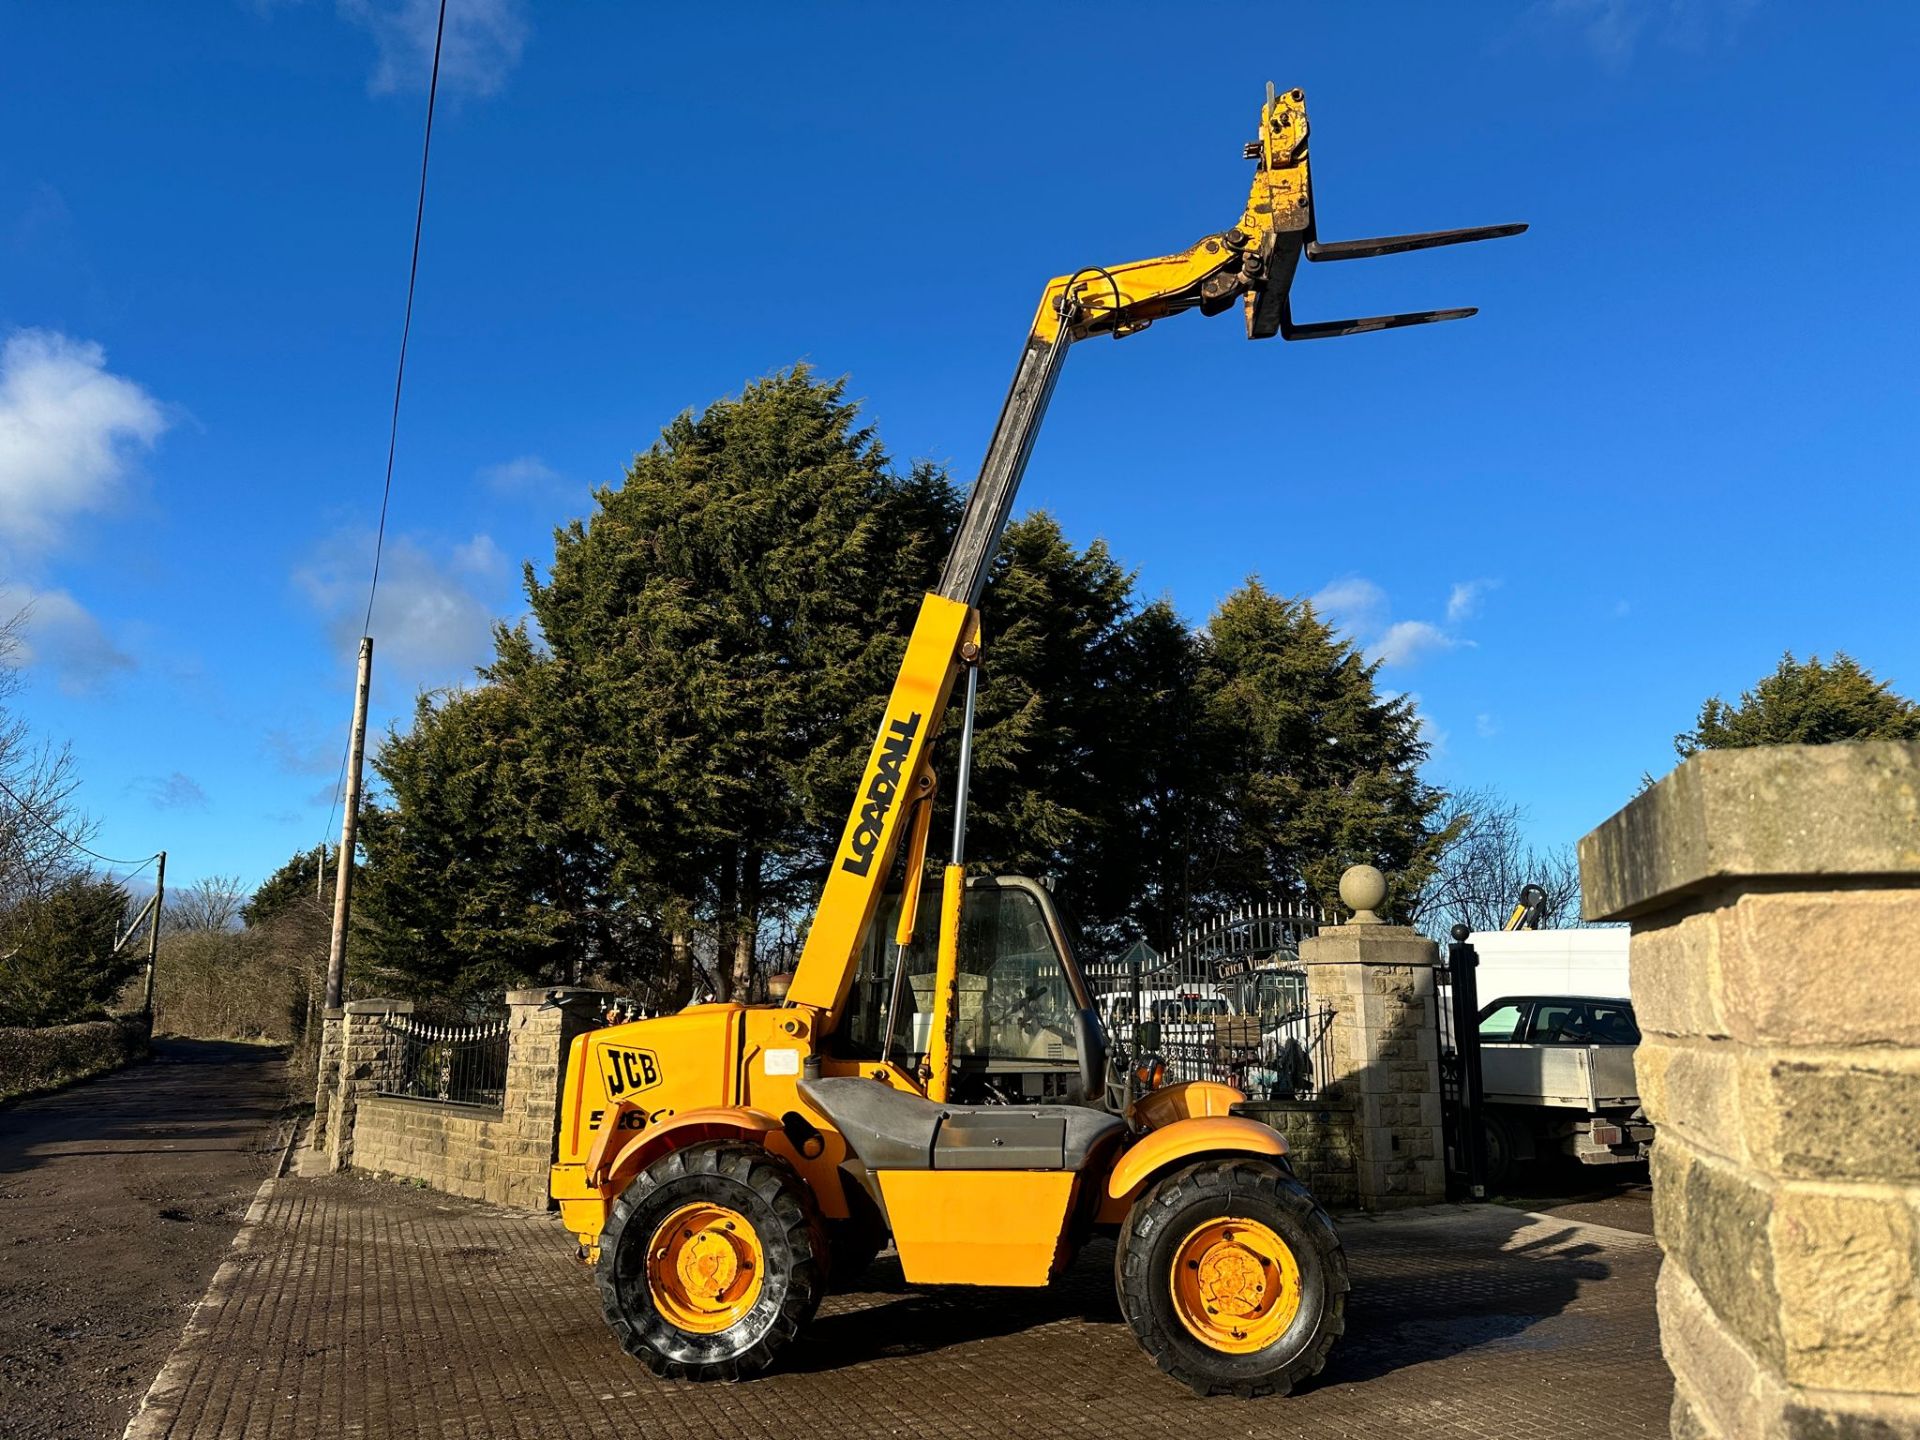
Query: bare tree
[37, 813]
[209, 907]
[1481, 871]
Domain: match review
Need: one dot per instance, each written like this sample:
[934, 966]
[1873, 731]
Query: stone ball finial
[1363, 889]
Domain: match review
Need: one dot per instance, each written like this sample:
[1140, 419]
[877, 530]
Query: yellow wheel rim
[1235, 1285]
[704, 1268]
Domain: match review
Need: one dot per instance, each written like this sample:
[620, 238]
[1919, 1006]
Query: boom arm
[1253, 261]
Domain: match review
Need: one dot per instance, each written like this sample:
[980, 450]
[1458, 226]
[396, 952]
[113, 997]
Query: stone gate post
[363, 1050]
[1774, 896]
[327, 1076]
[541, 1027]
[1384, 1048]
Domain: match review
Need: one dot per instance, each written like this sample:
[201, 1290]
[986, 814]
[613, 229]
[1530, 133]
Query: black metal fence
[462, 1064]
[1228, 1002]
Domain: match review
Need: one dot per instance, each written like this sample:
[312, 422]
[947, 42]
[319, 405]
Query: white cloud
[67, 430]
[1485, 726]
[1612, 30]
[1463, 603]
[480, 556]
[1405, 641]
[522, 475]
[1361, 610]
[482, 44]
[304, 757]
[60, 634]
[430, 627]
[177, 791]
[1355, 605]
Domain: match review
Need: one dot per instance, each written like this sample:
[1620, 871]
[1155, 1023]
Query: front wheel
[1232, 1278]
[711, 1262]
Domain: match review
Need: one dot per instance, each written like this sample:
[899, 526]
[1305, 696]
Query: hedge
[57, 1055]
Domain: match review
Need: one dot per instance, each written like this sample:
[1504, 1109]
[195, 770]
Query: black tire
[763, 1189]
[1168, 1213]
[1500, 1143]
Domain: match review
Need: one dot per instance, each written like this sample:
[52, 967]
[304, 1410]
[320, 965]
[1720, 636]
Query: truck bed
[1589, 1078]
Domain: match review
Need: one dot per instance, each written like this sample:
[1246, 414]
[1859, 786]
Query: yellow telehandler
[723, 1166]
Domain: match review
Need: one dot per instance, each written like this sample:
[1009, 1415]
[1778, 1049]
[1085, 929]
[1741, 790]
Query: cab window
[1503, 1022]
[1560, 1022]
[1614, 1025]
[1014, 1000]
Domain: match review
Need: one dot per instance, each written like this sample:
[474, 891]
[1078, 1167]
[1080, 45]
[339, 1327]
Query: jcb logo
[627, 1071]
[895, 743]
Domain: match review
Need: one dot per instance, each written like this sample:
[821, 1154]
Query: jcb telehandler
[725, 1165]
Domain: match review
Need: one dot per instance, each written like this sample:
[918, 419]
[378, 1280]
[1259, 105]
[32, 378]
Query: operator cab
[1025, 1028]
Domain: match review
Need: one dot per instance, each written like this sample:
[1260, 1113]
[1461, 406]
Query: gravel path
[118, 1198]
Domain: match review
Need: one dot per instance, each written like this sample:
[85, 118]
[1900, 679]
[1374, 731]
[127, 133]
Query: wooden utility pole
[343, 863]
[153, 932]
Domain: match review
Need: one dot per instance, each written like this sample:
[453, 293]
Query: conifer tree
[1319, 770]
[1805, 703]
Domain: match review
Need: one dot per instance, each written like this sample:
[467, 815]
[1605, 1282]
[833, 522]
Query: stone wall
[1320, 1145]
[498, 1154]
[1774, 896]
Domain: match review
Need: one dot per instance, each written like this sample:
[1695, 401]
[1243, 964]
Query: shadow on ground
[1425, 1287]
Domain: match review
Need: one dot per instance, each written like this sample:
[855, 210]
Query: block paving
[355, 1307]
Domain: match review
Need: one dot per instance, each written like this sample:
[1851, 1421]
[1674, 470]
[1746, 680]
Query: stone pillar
[326, 1080]
[1774, 896]
[364, 1046]
[1383, 1045]
[538, 1036]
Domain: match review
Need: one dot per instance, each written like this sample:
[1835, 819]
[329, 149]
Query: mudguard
[1170, 1144]
[611, 1164]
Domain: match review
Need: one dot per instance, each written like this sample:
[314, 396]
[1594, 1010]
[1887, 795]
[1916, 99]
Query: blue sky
[1678, 440]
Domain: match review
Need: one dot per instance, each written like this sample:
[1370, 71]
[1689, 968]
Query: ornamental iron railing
[457, 1064]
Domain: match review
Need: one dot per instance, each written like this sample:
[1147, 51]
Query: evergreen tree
[1319, 771]
[660, 776]
[293, 883]
[479, 875]
[1805, 704]
[57, 964]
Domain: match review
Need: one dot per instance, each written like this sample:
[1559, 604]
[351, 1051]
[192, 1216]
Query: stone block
[1841, 1117]
[1721, 1238]
[1671, 966]
[1691, 1091]
[1768, 813]
[1779, 956]
[1729, 1391]
[1845, 1264]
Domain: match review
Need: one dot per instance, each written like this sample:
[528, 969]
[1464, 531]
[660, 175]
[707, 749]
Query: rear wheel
[1500, 1145]
[711, 1262]
[1232, 1278]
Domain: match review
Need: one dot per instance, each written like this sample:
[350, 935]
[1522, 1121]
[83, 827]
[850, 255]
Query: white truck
[1557, 1039]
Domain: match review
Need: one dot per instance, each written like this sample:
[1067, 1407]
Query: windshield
[1015, 1001]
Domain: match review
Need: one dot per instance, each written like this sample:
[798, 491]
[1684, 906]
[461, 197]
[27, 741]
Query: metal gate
[1456, 1016]
[1227, 1002]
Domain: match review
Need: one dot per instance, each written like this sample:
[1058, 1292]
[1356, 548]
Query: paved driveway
[367, 1308]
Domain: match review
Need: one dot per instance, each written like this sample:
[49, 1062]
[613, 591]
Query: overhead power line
[68, 840]
[399, 375]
